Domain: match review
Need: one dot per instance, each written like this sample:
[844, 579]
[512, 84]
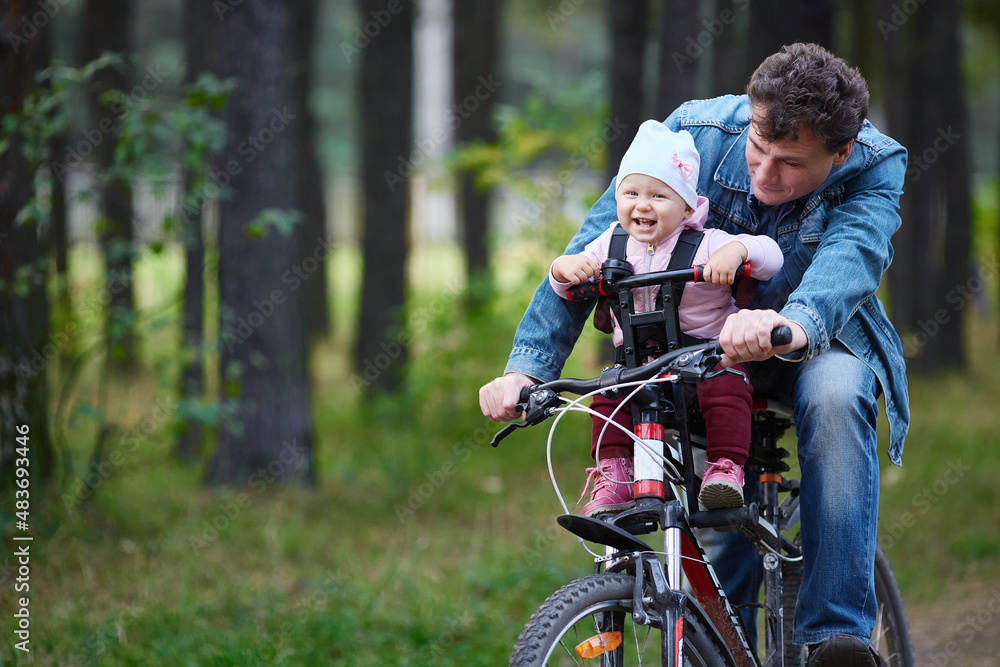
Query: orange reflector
[599, 644]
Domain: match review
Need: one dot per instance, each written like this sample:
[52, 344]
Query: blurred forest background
[257, 257]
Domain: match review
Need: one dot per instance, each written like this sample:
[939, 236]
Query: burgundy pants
[725, 401]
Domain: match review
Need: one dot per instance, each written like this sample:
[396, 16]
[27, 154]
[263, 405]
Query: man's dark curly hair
[806, 85]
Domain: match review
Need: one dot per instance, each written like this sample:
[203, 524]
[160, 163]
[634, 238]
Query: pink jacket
[704, 306]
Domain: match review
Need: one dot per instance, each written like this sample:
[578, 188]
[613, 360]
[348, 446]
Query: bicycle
[615, 613]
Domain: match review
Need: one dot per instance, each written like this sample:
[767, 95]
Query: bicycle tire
[891, 636]
[602, 603]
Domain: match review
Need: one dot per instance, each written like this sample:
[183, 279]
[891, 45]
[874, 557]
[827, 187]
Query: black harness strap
[616, 250]
[682, 258]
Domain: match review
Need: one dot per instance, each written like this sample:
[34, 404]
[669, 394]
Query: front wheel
[592, 618]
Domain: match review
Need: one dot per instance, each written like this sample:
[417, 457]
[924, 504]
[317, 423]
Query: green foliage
[546, 154]
[284, 221]
[147, 132]
[150, 133]
[552, 130]
[937, 511]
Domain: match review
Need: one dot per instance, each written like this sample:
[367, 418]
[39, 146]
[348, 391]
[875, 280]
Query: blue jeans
[834, 398]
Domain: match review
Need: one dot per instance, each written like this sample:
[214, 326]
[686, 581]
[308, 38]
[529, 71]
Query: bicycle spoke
[571, 654]
[638, 653]
[879, 632]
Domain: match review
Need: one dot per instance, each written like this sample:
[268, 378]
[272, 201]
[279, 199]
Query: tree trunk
[679, 21]
[941, 208]
[59, 247]
[387, 140]
[774, 23]
[311, 183]
[629, 19]
[106, 27]
[929, 278]
[266, 433]
[474, 58]
[904, 293]
[57, 236]
[197, 15]
[24, 312]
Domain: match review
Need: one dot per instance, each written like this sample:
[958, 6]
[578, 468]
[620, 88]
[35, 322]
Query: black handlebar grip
[781, 335]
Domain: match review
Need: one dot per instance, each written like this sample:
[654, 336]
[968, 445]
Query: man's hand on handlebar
[498, 398]
[746, 336]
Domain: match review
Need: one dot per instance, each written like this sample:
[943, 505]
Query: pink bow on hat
[687, 170]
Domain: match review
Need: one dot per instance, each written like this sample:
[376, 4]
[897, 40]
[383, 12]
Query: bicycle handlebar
[676, 360]
[692, 363]
[593, 289]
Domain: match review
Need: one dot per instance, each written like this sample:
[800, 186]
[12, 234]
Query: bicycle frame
[631, 579]
[682, 552]
[657, 507]
[654, 506]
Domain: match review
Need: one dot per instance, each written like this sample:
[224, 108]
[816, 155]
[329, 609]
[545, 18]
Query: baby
[656, 198]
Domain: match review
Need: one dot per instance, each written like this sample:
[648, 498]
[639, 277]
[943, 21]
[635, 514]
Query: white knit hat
[669, 156]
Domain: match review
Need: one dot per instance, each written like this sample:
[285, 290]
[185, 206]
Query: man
[796, 160]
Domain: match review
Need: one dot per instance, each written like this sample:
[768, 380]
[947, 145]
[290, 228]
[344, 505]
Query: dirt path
[963, 630]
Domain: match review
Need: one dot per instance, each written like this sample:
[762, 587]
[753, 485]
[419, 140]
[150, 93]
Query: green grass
[420, 544]
[938, 515]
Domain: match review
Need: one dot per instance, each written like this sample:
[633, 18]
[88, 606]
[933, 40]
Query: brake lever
[536, 409]
[728, 371]
[505, 431]
[696, 365]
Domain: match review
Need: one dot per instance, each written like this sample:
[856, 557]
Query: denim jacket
[836, 249]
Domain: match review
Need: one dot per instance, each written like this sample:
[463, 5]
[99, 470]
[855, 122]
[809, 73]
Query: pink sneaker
[609, 496]
[722, 486]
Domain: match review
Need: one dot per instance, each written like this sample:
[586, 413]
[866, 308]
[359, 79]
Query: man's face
[787, 169]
